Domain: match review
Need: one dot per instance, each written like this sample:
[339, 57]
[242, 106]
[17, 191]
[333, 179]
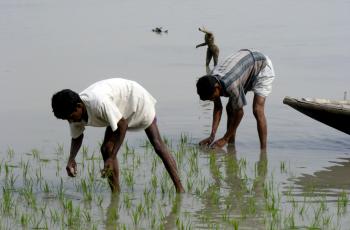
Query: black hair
[206, 87]
[64, 103]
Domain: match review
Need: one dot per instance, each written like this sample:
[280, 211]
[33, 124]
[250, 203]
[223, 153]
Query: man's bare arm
[74, 149]
[205, 31]
[217, 112]
[75, 146]
[216, 116]
[202, 44]
[230, 134]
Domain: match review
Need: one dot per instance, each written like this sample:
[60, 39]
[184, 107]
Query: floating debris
[159, 30]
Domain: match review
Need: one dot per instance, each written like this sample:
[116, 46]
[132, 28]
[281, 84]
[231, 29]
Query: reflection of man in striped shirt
[241, 72]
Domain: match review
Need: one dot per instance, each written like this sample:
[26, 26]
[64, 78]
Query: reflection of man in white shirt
[117, 104]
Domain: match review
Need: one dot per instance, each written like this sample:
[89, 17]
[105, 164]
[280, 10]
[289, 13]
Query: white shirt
[109, 100]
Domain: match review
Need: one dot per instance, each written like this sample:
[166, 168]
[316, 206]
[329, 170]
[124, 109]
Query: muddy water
[49, 45]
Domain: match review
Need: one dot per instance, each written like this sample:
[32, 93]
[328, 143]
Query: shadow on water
[313, 143]
[328, 181]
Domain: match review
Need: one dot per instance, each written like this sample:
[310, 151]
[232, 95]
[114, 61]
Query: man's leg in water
[162, 151]
[259, 113]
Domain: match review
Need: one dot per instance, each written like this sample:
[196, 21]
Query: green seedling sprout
[59, 149]
[10, 153]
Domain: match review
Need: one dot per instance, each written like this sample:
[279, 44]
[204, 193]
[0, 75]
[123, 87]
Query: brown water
[49, 45]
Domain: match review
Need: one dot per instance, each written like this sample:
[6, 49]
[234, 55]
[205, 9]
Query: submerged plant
[342, 202]
[59, 149]
[222, 192]
[7, 201]
[10, 153]
[36, 154]
[87, 190]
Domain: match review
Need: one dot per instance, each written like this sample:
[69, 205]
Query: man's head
[208, 88]
[67, 105]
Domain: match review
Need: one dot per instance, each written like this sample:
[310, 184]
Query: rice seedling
[85, 151]
[59, 149]
[58, 168]
[136, 161]
[25, 218]
[183, 226]
[214, 169]
[164, 186]
[146, 145]
[194, 169]
[129, 178]
[40, 224]
[25, 167]
[29, 196]
[153, 222]
[326, 221]
[86, 189]
[10, 181]
[38, 175]
[54, 216]
[167, 142]
[179, 158]
[127, 201]
[35, 153]
[154, 181]
[10, 153]
[343, 199]
[87, 216]
[238, 191]
[283, 167]
[7, 170]
[183, 139]
[154, 165]
[342, 202]
[7, 201]
[1, 164]
[60, 191]
[302, 210]
[290, 222]
[137, 213]
[99, 200]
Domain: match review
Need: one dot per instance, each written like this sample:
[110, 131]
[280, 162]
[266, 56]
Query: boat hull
[337, 117]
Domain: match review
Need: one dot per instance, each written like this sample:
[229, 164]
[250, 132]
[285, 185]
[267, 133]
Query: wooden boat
[335, 113]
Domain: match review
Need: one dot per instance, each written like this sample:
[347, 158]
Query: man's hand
[71, 168]
[108, 168]
[219, 143]
[206, 141]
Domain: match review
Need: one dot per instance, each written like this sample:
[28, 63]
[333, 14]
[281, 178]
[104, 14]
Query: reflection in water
[232, 195]
[170, 219]
[112, 212]
[332, 178]
[207, 69]
[113, 220]
[207, 115]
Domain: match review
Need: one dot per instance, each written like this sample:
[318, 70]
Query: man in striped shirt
[239, 73]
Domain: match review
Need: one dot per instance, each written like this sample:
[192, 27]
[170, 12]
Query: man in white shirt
[117, 104]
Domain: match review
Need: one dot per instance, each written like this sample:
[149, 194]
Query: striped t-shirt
[237, 73]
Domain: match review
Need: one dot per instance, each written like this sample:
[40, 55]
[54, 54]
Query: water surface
[49, 45]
